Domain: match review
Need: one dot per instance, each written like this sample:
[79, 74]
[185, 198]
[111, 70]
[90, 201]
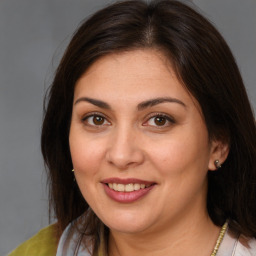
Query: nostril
[124, 158]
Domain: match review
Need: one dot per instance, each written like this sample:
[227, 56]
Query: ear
[219, 152]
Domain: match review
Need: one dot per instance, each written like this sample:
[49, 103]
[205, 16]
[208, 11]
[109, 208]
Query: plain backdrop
[33, 36]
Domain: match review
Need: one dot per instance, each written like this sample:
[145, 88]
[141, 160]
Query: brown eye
[160, 121]
[98, 120]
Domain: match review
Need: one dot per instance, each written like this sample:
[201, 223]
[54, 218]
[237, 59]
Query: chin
[127, 229]
[128, 224]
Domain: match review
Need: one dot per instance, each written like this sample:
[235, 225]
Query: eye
[159, 120]
[96, 120]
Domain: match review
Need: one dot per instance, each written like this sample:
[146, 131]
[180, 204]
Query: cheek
[180, 154]
[87, 159]
[86, 154]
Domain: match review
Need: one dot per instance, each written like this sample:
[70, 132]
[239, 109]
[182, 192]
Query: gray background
[33, 36]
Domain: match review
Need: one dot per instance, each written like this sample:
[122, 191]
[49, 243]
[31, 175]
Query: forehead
[130, 61]
[134, 71]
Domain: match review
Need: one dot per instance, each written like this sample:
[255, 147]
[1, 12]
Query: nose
[125, 149]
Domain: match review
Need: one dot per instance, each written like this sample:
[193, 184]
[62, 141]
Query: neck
[197, 238]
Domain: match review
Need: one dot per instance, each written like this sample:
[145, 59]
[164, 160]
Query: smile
[127, 190]
[127, 187]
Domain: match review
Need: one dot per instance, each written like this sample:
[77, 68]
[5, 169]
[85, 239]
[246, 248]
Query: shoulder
[245, 246]
[74, 242]
[44, 243]
[235, 244]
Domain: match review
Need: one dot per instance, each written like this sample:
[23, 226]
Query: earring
[73, 170]
[217, 164]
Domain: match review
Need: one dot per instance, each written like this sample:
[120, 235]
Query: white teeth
[142, 185]
[120, 187]
[136, 186]
[128, 187]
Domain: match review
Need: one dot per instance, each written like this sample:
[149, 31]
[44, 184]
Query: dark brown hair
[204, 64]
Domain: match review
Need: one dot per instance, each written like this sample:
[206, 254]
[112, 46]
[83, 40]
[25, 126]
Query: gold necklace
[220, 238]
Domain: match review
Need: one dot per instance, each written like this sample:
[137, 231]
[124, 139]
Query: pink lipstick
[127, 190]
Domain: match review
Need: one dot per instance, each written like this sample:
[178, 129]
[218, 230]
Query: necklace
[220, 238]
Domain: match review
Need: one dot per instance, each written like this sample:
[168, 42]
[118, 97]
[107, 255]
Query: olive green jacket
[44, 243]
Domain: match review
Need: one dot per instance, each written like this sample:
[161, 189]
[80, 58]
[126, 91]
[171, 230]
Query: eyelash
[93, 115]
[169, 120]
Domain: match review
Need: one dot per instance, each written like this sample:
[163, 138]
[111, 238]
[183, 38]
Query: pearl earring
[217, 164]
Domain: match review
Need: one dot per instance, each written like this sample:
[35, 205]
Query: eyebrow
[153, 102]
[98, 103]
[141, 106]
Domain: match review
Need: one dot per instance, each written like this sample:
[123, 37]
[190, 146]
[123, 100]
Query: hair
[203, 63]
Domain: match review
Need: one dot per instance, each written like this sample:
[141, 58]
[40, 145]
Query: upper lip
[127, 181]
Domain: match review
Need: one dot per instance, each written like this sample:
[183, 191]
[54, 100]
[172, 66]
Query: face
[139, 144]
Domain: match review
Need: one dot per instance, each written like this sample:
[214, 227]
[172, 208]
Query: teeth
[128, 187]
[136, 186]
[120, 187]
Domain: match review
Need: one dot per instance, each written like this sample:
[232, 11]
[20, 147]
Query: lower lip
[126, 197]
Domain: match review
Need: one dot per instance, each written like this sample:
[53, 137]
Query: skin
[127, 142]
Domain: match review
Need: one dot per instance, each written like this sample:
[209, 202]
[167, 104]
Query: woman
[149, 111]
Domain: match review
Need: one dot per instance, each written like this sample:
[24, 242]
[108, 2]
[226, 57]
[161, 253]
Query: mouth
[127, 190]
